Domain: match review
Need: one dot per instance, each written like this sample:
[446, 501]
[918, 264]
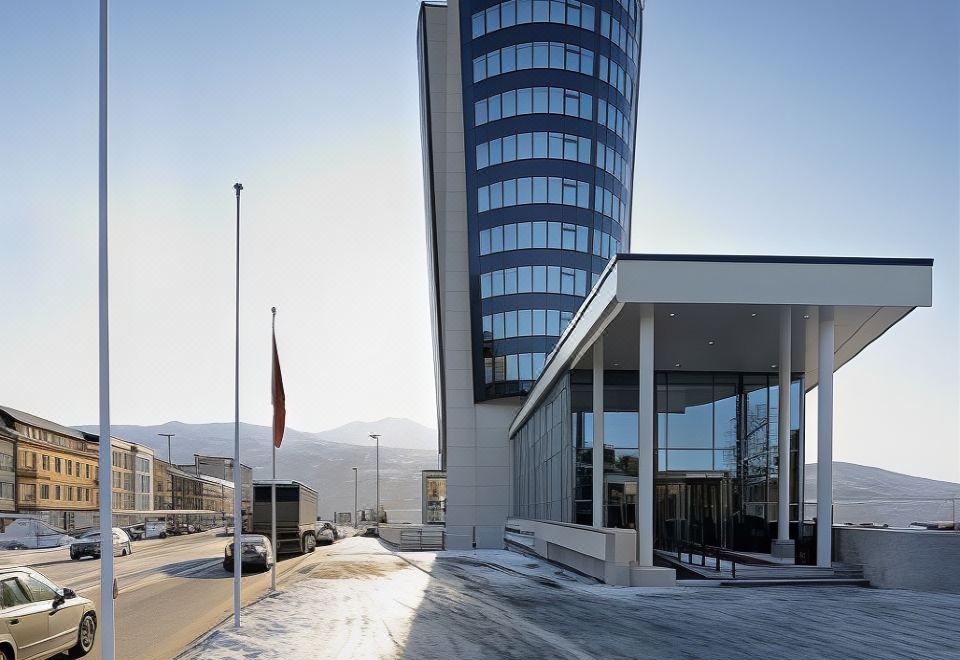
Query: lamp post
[169, 446]
[356, 522]
[376, 436]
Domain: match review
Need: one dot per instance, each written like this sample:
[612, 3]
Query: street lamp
[356, 522]
[169, 448]
[376, 436]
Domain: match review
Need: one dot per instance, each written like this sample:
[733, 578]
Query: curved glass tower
[528, 112]
[549, 115]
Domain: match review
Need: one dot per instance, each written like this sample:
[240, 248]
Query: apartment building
[56, 468]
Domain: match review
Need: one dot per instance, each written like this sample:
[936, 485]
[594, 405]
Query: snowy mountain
[323, 461]
[867, 494]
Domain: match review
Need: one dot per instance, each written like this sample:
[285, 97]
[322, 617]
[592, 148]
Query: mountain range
[325, 461]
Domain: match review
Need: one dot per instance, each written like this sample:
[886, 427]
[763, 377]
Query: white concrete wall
[604, 553]
[477, 456]
[902, 559]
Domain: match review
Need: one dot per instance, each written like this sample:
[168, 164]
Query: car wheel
[85, 636]
[309, 543]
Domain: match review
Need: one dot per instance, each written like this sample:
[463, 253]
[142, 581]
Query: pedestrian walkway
[366, 601]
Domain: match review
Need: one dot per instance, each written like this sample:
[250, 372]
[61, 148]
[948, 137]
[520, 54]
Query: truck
[296, 515]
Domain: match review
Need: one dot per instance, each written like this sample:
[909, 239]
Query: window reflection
[534, 55]
[536, 100]
[518, 12]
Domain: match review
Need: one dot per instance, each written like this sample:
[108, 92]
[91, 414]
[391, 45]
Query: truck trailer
[296, 515]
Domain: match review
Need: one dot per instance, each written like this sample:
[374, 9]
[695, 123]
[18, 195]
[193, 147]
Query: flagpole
[106, 614]
[237, 485]
[273, 443]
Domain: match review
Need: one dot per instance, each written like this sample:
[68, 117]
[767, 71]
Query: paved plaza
[366, 601]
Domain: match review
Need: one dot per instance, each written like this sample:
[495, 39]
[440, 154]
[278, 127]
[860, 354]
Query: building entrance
[691, 508]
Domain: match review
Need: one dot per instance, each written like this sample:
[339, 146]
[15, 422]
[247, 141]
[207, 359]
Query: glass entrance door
[691, 509]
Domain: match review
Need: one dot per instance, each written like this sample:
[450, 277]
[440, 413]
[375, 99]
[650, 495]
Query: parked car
[326, 532]
[88, 544]
[136, 532]
[255, 552]
[39, 619]
[155, 530]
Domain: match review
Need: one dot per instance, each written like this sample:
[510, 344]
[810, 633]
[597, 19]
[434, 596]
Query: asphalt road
[171, 590]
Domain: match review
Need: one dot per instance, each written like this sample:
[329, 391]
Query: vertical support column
[645, 440]
[598, 433]
[825, 438]
[783, 547]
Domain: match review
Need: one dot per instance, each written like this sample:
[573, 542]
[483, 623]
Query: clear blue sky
[786, 128]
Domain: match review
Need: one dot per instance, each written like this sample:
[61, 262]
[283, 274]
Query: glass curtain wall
[717, 453]
[543, 461]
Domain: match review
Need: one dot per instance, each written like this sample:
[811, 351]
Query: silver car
[88, 544]
[38, 619]
[255, 552]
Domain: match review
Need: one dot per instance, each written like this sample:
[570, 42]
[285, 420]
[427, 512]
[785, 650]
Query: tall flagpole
[237, 485]
[273, 443]
[106, 614]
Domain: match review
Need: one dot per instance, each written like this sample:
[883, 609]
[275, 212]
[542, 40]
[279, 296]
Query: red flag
[279, 398]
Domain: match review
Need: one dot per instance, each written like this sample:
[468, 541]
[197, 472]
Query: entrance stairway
[753, 570]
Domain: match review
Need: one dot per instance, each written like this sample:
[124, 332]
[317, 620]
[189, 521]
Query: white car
[40, 620]
[88, 544]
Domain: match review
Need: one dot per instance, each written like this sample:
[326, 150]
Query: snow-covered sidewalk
[361, 600]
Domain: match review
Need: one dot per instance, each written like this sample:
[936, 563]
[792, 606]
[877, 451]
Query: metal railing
[893, 512]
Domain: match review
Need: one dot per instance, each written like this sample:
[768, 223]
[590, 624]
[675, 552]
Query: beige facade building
[56, 466]
[131, 476]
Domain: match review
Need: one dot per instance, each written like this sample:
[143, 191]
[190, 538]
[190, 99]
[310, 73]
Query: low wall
[604, 554]
[902, 558]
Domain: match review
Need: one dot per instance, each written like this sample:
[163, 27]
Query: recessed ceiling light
[672, 314]
[677, 365]
[773, 366]
[616, 364]
[753, 315]
[806, 316]
[710, 342]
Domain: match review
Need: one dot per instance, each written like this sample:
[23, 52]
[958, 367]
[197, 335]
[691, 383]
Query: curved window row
[609, 160]
[616, 32]
[533, 100]
[605, 246]
[613, 73]
[526, 323]
[534, 279]
[521, 366]
[523, 146]
[517, 12]
[534, 55]
[535, 235]
[630, 6]
[534, 190]
[608, 115]
[605, 202]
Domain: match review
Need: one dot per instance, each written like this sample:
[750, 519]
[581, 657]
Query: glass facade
[717, 456]
[550, 94]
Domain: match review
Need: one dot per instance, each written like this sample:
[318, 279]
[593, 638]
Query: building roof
[719, 312]
[39, 422]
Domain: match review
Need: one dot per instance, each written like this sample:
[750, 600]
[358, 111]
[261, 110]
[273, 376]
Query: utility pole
[169, 447]
[237, 484]
[107, 581]
[355, 516]
[376, 436]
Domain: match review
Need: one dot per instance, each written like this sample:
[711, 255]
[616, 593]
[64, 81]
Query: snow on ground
[365, 601]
